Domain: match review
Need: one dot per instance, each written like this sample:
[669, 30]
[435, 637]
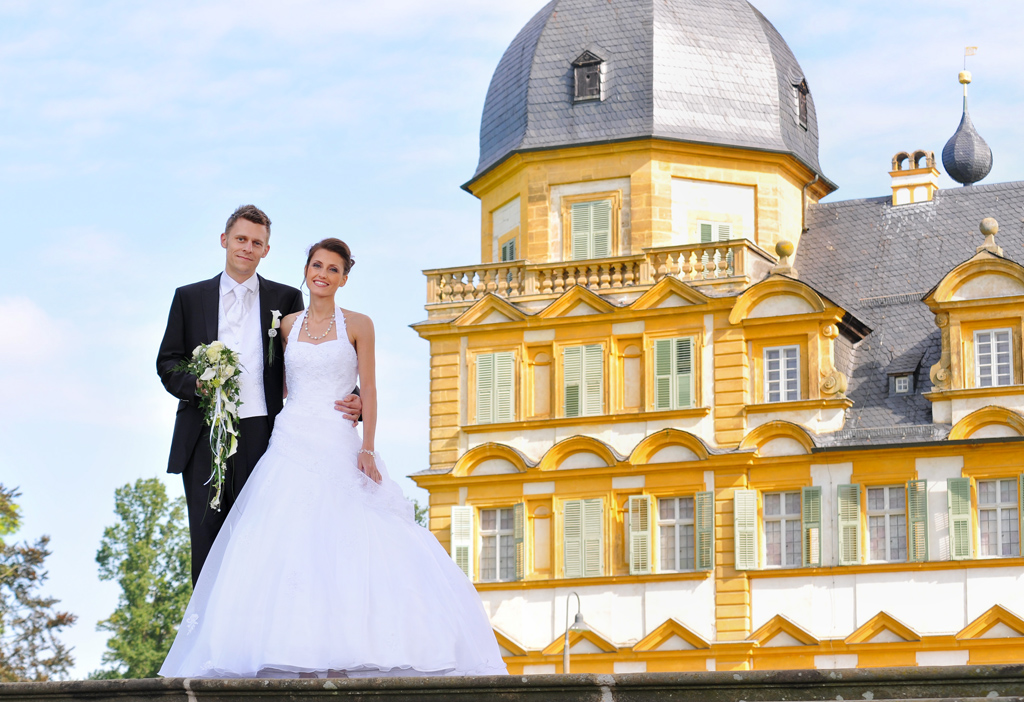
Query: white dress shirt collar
[227, 283]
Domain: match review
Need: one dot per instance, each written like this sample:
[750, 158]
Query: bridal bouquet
[217, 368]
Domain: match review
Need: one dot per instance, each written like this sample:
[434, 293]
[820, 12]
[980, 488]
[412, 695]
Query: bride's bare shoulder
[357, 321]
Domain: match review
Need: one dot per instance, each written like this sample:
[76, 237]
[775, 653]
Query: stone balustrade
[737, 262]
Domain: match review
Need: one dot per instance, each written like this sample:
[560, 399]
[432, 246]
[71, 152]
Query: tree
[147, 552]
[421, 513]
[29, 624]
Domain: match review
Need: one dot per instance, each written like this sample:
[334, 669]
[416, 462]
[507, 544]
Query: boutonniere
[275, 324]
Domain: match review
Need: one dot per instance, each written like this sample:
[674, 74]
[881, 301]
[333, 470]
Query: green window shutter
[704, 518]
[593, 527]
[485, 388]
[581, 230]
[639, 534]
[462, 539]
[811, 518]
[519, 538]
[601, 228]
[593, 379]
[663, 374]
[572, 372]
[572, 534]
[958, 497]
[917, 520]
[508, 250]
[849, 524]
[706, 233]
[504, 387]
[745, 528]
[684, 372]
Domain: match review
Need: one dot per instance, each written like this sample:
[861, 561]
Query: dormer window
[801, 100]
[587, 72]
[993, 358]
[902, 384]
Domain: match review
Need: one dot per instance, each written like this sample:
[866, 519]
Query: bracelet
[371, 453]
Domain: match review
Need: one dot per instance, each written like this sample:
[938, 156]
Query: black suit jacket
[192, 321]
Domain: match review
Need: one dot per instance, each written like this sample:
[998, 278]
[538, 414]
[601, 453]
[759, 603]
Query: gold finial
[784, 249]
[965, 77]
[990, 227]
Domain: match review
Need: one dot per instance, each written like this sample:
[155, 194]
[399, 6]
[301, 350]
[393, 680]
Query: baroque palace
[748, 429]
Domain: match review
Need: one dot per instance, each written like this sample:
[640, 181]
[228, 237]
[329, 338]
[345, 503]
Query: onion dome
[700, 71]
[966, 157]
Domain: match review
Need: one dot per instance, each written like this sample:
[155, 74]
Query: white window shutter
[572, 536]
[593, 379]
[580, 235]
[639, 534]
[519, 538]
[958, 497]
[593, 537]
[462, 538]
[572, 372]
[601, 228]
[917, 520]
[504, 387]
[849, 524]
[724, 231]
[684, 372]
[704, 516]
[811, 519]
[663, 374]
[485, 388]
[745, 528]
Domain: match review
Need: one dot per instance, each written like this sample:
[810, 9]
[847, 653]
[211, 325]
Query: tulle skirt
[319, 570]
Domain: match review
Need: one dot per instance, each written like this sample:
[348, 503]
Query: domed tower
[655, 93]
[966, 157]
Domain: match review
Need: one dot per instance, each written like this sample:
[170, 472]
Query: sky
[130, 131]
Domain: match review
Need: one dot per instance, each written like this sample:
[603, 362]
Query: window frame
[998, 507]
[675, 523]
[886, 512]
[584, 395]
[903, 380]
[993, 366]
[674, 376]
[513, 390]
[784, 518]
[502, 536]
[766, 383]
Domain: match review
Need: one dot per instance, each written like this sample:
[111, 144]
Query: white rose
[197, 351]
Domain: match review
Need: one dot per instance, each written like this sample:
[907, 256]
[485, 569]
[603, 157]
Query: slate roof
[708, 71]
[878, 261]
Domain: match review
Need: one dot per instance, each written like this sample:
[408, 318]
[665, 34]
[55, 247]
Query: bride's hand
[368, 466]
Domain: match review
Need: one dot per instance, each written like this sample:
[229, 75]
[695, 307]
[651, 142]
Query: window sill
[985, 562]
[799, 405]
[967, 393]
[588, 419]
[543, 583]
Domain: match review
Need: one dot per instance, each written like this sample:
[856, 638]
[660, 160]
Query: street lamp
[577, 625]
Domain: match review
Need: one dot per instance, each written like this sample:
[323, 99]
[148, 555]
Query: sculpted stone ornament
[940, 373]
[833, 382]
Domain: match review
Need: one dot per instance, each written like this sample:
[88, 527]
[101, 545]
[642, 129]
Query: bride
[320, 569]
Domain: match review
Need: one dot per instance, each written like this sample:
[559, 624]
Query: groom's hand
[352, 407]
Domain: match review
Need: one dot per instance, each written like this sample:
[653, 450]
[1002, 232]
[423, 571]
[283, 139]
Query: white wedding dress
[319, 570]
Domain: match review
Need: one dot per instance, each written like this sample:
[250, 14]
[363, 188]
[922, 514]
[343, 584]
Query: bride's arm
[363, 339]
[286, 330]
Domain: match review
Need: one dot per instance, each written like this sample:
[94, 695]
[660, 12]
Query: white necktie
[236, 312]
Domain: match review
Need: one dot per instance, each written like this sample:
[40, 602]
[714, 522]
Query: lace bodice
[319, 374]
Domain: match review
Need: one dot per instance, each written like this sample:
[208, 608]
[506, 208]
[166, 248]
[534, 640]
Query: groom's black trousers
[204, 522]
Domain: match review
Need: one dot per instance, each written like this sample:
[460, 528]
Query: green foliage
[147, 553]
[29, 624]
[421, 514]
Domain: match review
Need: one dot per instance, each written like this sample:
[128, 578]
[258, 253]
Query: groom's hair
[251, 213]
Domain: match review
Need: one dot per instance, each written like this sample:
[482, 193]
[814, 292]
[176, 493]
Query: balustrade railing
[710, 263]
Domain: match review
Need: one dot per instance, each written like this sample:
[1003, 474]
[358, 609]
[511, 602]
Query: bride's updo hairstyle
[334, 246]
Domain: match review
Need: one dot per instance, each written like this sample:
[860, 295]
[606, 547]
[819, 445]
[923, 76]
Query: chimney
[914, 177]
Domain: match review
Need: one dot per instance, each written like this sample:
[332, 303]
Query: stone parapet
[946, 683]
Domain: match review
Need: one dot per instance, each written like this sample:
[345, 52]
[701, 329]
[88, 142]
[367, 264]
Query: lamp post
[577, 625]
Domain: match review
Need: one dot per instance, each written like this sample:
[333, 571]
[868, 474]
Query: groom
[235, 307]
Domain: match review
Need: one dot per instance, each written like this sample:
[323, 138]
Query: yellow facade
[735, 434]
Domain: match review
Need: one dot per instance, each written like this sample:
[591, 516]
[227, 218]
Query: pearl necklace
[305, 325]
